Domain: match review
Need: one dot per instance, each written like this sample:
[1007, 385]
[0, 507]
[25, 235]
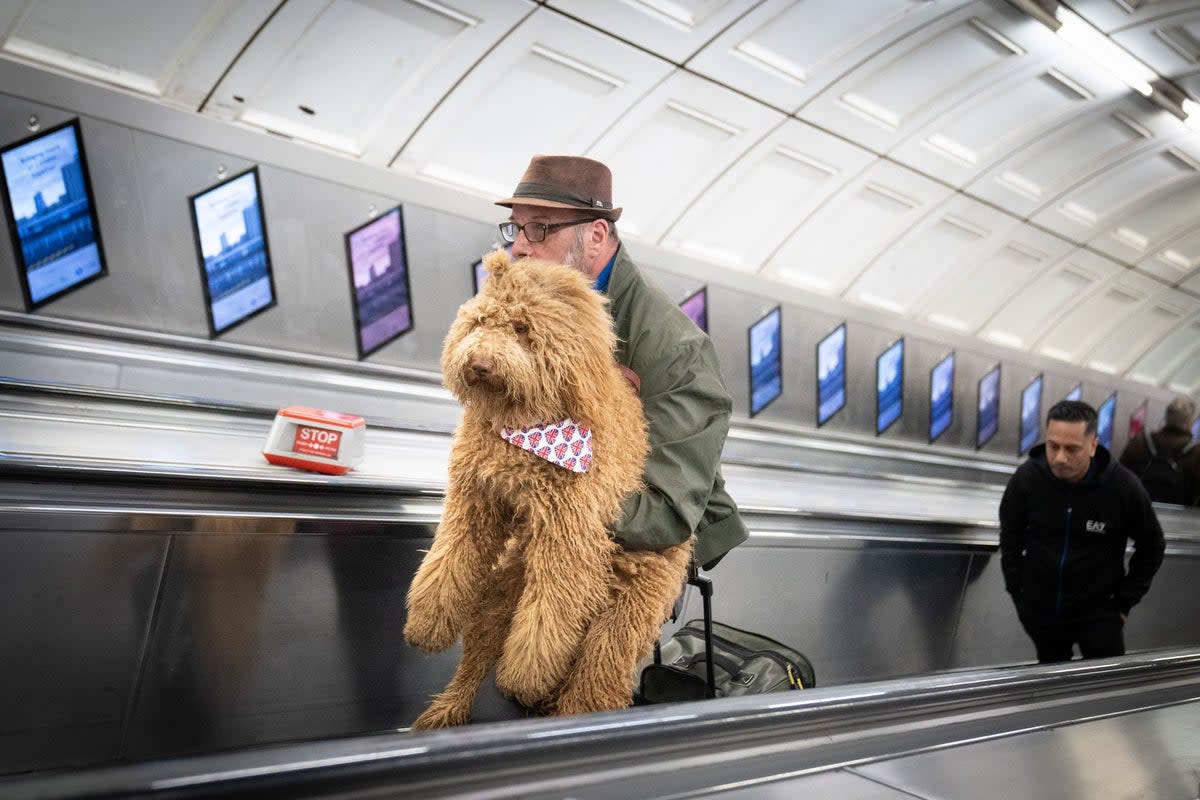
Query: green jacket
[687, 408]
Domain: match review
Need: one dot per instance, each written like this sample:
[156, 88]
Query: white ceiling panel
[907, 85]
[1165, 358]
[1112, 15]
[1186, 378]
[674, 143]
[1124, 345]
[1169, 44]
[973, 293]
[673, 29]
[1160, 218]
[1049, 165]
[1032, 310]
[764, 197]
[1097, 205]
[174, 50]
[939, 249]
[552, 86]
[785, 51]
[1074, 336]
[1178, 259]
[837, 242]
[406, 56]
[989, 125]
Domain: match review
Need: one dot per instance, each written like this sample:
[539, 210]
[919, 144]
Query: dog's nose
[480, 369]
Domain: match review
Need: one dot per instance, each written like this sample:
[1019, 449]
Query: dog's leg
[443, 592]
[483, 641]
[645, 584]
[567, 568]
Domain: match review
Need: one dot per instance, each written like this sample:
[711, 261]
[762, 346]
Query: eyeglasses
[536, 231]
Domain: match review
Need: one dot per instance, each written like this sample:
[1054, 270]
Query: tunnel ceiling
[957, 163]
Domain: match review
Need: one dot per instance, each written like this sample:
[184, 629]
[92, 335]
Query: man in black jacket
[1064, 521]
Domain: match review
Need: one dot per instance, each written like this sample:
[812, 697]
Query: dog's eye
[520, 328]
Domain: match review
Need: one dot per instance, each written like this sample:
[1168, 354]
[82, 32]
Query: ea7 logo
[1095, 526]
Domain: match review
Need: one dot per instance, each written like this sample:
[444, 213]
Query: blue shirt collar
[601, 284]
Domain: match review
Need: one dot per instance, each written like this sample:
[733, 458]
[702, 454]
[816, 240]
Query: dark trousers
[1097, 636]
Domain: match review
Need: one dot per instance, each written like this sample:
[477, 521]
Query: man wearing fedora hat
[562, 211]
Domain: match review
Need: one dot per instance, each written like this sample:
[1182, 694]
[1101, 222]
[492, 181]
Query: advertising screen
[1137, 421]
[231, 239]
[696, 307]
[831, 374]
[941, 397]
[1076, 393]
[1031, 415]
[889, 386]
[1104, 422]
[766, 360]
[988, 421]
[51, 214]
[378, 264]
[1196, 429]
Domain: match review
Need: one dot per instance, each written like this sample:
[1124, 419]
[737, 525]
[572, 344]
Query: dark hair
[1073, 411]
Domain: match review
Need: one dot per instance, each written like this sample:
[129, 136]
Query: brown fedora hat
[566, 182]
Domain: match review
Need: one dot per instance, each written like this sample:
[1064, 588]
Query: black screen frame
[358, 333]
[262, 221]
[701, 292]
[878, 398]
[1040, 378]
[475, 282]
[750, 361]
[817, 367]
[952, 357]
[18, 252]
[979, 445]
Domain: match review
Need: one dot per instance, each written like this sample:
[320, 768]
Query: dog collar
[567, 444]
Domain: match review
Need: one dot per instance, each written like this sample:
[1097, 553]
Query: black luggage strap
[704, 584]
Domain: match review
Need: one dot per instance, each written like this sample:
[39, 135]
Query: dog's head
[535, 344]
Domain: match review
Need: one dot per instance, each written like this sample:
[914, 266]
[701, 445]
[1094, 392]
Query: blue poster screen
[236, 265]
[696, 307]
[1196, 429]
[1104, 422]
[52, 214]
[379, 272]
[1076, 393]
[831, 374]
[1031, 415]
[941, 397]
[989, 407]
[766, 360]
[889, 386]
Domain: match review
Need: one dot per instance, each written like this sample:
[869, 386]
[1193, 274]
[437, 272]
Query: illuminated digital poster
[52, 214]
[766, 360]
[232, 243]
[941, 397]
[1104, 422]
[1076, 393]
[379, 271]
[1137, 421]
[1196, 429]
[889, 386]
[1031, 415]
[988, 421]
[831, 374]
[695, 306]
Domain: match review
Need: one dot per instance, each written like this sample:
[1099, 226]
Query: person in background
[1168, 460]
[562, 211]
[1065, 518]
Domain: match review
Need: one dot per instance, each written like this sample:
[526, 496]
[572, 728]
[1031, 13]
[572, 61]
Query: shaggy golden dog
[523, 565]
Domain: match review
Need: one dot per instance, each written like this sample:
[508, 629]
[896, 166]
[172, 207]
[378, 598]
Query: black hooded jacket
[1062, 545]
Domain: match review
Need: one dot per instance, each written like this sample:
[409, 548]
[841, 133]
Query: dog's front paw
[528, 675]
[431, 632]
[442, 714]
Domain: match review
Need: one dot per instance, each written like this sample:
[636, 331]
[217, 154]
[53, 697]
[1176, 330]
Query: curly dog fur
[523, 565]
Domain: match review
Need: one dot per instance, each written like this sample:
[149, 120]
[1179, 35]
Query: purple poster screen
[379, 273]
[696, 307]
[51, 214]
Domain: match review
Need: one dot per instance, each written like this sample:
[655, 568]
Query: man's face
[1069, 449]
[563, 245]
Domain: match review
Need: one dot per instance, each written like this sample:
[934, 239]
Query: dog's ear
[496, 262]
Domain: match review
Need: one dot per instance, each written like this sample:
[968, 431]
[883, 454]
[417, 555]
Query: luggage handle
[704, 584]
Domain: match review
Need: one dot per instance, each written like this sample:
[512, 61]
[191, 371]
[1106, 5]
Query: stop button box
[316, 440]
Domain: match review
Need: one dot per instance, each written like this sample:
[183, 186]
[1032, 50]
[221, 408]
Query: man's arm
[1014, 535]
[1148, 547]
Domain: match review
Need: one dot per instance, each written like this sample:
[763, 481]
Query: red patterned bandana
[567, 444]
